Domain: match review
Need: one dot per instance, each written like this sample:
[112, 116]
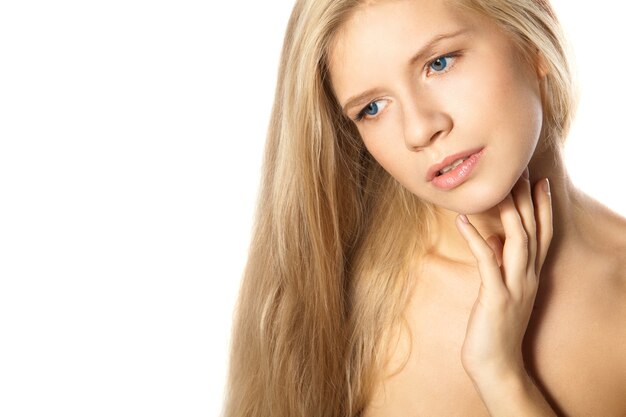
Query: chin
[489, 199]
[479, 199]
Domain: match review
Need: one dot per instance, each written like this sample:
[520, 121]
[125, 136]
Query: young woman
[419, 249]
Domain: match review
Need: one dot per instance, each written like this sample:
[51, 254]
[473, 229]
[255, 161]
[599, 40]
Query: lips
[433, 170]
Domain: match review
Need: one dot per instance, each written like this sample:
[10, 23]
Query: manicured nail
[464, 218]
[546, 186]
[525, 173]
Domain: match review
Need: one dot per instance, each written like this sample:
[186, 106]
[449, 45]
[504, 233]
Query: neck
[448, 244]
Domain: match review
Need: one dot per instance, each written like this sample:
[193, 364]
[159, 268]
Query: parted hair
[329, 267]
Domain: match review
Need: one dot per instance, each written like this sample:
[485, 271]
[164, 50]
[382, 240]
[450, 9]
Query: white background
[131, 137]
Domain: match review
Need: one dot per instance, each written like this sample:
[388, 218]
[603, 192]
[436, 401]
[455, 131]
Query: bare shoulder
[606, 233]
[612, 229]
[603, 233]
[617, 251]
[619, 280]
[610, 247]
[619, 277]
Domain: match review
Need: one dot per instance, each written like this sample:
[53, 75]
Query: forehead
[380, 37]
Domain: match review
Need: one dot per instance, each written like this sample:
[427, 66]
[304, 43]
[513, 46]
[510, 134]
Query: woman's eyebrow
[434, 41]
[362, 97]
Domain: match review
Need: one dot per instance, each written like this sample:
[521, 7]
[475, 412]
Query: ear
[540, 64]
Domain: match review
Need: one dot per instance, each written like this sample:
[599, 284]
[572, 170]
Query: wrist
[498, 374]
[511, 392]
[511, 380]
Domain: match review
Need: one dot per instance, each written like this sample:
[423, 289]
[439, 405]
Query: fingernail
[525, 173]
[546, 186]
[464, 218]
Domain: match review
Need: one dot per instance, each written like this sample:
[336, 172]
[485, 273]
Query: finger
[544, 219]
[524, 204]
[496, 246]
[490, 273]
[515, 251]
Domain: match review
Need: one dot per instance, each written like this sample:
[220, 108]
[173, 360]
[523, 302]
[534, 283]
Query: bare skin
[569, 331]
[575, 341]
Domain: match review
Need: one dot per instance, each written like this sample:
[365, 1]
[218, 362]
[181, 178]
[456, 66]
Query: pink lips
[433, 170]
[457, 175]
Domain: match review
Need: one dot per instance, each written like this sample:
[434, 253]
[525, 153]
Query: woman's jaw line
[446, 241]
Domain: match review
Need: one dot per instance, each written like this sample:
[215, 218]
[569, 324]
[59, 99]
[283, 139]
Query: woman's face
[460, 94]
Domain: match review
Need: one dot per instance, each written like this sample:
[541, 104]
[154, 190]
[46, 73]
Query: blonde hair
[330, 263]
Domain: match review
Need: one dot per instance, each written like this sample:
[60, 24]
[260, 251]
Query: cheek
[391, 157]
[383, 140]
[499, 103]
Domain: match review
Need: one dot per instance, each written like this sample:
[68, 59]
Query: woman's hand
[500, 316]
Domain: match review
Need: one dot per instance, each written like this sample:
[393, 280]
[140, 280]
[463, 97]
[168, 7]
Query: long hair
[330, 263]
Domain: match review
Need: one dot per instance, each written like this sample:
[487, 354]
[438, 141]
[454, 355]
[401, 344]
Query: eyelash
[361, 115]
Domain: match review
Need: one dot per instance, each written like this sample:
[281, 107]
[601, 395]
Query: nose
[423, 124]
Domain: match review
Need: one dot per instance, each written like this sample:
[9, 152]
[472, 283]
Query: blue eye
[372, 107]
[439, 64]
[371, 110]
[442, 64]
